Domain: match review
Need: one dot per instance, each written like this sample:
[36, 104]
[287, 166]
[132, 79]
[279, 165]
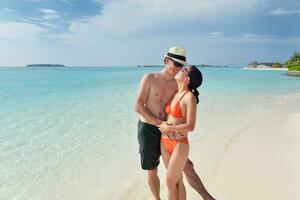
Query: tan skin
[176, 161]
[155, 90]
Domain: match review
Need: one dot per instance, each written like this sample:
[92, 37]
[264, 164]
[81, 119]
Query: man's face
[173, 67]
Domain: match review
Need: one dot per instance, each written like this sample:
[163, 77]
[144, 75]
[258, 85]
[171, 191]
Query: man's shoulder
[151, 76]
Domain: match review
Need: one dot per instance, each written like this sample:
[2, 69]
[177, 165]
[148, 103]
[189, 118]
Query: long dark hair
[196, 80]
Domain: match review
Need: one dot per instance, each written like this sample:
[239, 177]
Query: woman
[181, 117]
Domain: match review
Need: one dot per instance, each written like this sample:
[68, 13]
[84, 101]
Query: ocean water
[69, 129]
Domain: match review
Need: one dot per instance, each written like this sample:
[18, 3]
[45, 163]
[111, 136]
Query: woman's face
[183, 75]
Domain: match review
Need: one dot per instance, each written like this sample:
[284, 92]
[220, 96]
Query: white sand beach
[243, 154]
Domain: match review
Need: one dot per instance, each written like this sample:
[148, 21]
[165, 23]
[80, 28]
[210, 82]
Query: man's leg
[149, 141]
[154, 184]
[195, 181]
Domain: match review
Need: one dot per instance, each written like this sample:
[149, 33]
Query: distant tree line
[293, 63]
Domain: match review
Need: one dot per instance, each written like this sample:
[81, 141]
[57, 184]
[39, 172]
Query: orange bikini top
[176, 111]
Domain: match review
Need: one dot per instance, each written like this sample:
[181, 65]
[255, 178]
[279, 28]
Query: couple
[167, 103]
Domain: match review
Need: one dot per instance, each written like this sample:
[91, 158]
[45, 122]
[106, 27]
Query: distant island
[266, 66]
[45, 65]
[205, 65]
[292, 66]
[149, 65]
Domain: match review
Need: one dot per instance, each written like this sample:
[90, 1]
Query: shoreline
[293, 73]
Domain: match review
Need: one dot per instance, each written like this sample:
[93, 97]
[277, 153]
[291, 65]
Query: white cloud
[35, 18]
[112, 31]
[101, 1]
[250, 37]
[50, 14]
[282, 11]
[101, 39]
[49, 25]
[8, 10]
[293, 40]
[247, 38]
[25, 20]
[20, 31]
[66, 2]
[121, 18]
[35, 0]
[216, 34]
[243, 38]
[48, 11]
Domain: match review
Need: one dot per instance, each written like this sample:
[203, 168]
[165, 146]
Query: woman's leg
[175, 167]
[181, 189]
[165, 154]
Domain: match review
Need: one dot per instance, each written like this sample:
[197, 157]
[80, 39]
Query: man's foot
[208, 198]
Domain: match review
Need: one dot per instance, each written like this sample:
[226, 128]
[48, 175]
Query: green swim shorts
[149, 145]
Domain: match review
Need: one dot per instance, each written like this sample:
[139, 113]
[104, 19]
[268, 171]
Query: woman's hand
[180, 135]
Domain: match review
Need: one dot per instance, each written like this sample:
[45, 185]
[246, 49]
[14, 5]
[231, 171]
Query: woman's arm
[191, 112]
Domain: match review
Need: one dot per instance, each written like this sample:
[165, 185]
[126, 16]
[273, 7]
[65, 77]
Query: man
[156, 89]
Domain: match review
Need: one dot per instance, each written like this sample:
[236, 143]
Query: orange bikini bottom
[170, 144]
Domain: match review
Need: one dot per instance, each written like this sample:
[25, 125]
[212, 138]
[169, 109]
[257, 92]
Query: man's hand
[158, 121]
[166, 129]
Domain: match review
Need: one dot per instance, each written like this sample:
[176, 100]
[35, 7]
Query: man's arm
[142, 96]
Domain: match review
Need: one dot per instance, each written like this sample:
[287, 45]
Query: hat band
[177, 56]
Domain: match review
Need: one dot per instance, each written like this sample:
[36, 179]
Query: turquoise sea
[75, 127]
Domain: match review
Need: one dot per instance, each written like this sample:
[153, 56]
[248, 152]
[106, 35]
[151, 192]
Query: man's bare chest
[162, 92]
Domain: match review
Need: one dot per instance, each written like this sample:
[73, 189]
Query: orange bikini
[177, 113]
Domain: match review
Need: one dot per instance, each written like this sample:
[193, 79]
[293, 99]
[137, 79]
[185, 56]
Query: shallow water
[59, 123]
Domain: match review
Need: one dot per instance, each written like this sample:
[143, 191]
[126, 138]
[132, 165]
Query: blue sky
[132, 32]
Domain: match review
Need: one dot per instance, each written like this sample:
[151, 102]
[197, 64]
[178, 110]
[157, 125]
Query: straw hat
[177, 54]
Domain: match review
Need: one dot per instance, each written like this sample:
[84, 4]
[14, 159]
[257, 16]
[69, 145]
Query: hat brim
[177, 60]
